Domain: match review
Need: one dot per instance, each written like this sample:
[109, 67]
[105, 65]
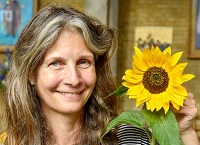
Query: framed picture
[147, 36]
[194, 48]
[14, 15]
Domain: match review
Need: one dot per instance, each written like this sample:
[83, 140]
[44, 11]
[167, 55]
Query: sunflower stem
[153, 140]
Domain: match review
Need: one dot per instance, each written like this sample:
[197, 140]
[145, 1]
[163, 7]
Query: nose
[72, 75]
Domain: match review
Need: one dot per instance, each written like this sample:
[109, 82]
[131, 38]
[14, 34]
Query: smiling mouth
[69, 94]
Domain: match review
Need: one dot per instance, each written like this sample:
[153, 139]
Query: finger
[188, 107]
[190, 110]
[189, 102]
[187, 112]
[190, 95]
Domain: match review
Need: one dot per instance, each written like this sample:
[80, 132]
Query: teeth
[69, 94]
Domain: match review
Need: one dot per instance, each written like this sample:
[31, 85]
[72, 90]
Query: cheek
[92, 80]
[47, 80]
[89, 78]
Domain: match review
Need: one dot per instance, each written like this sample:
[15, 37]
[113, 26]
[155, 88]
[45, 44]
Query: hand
[186, 115]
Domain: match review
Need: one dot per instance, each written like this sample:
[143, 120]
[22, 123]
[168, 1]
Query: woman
[58, 81]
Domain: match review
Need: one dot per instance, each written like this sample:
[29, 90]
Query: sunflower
[156, 79]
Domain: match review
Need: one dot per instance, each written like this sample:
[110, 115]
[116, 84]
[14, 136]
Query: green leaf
[129, 117]
[120, 92]
[164, 126]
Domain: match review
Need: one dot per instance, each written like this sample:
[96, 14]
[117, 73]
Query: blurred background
[141, 23]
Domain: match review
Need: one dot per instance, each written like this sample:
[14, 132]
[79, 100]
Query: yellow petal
[167, 58]
[137, 71]
[165, 96]
[138, 52]
[177, 101]
[172, 95]
[175, 81]
[128, 84]
[135, 89]
[138, 103]
[144, 96]
[158, 103]
[166, 107]
[139, 64]
[177, 90]
[187, 77]
[147, 58]
[175, 105]
[132, 74]
[166, 66]
[178, 69]
[148, 106]
[167, 51]
[132, 96]
[152, 102]
[175, 58]
[132, 80]
[139, 59]
[158, 59]
[176, 98]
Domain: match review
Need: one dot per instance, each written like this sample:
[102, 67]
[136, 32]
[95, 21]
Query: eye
[56, 65]
[84, 63]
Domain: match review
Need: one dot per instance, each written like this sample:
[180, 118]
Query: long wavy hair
[25, 121]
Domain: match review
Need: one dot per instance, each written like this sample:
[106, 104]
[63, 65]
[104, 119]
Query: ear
[31, 78]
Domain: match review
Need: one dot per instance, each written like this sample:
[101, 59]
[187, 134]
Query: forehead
[69, 42]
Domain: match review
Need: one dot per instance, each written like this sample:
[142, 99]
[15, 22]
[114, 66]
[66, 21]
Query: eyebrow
[55, 57]
[65, 59]
[86, 56]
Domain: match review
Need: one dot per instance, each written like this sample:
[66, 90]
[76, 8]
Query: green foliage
[120, 92]
[164, 126]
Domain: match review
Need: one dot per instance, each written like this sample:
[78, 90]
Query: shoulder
[129, 135]
[2, 137]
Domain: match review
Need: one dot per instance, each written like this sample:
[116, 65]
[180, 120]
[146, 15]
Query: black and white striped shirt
[130, 135]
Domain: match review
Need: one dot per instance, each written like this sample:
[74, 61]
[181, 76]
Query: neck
[65, 127]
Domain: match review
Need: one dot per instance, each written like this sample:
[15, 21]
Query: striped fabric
[130, 135]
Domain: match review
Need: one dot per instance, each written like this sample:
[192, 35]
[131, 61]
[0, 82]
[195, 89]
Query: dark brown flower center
[155, 80]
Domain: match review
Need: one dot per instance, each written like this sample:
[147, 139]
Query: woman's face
[66, 78]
